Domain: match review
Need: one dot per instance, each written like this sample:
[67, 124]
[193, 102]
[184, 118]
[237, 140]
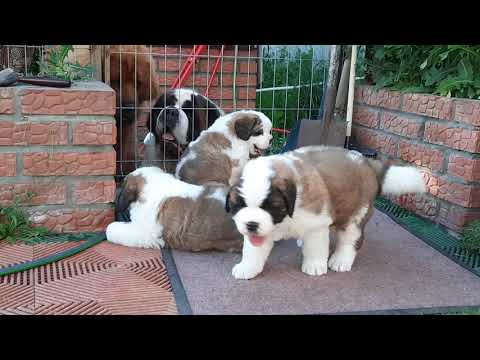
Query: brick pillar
[58, 144]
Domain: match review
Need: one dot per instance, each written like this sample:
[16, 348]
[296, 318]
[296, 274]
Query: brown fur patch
[210, 164]
[199, 225]
[380, 170]
[343, 185]
[244, 125]
[314, 194]
[362, 224]
[130, 191]
[135, 89]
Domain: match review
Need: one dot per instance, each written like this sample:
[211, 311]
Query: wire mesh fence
[25, 59]
[284, 82]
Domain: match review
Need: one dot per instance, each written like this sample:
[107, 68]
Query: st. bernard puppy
[220, 152]
[303, 194]
[178, 117]
[166, 212]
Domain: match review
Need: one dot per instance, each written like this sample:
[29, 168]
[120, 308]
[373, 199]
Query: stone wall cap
[77, 85]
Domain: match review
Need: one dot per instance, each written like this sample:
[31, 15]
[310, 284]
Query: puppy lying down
[166, 212]
[306, 193]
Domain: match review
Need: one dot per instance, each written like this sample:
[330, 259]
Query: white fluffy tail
[400, 180]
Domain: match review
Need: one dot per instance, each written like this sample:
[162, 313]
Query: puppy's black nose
[252, 226]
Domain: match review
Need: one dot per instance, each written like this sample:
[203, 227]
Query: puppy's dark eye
[258, 133]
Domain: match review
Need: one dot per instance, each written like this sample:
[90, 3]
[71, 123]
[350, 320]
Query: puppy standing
[220, 152]
[303, 194]
[168, 212]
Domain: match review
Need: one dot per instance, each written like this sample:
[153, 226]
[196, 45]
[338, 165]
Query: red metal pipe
[214, 70]
[188, 66]
[187, 69]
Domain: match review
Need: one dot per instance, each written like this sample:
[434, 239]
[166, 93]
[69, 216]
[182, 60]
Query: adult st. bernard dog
[165, 211]
[220, 152]
[178, 117]
[303, 194]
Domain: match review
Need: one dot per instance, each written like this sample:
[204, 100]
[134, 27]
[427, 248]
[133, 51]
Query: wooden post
[106, 59]
[96, 60]
[331, 93]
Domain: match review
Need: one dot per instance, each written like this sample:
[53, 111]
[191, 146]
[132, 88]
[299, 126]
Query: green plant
[278, 143]
[446, 70]
[471, 236]
[57, 64]
[15, 224]
[300, 77]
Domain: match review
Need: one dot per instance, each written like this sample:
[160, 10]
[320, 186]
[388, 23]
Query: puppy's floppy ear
[227, 201]
[159, 105]
[245, 125]
[129, 192]
[288, 190]
[200, 106]
[232, 197]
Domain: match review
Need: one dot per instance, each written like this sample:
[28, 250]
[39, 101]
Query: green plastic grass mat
[91, 239]
[431, 234]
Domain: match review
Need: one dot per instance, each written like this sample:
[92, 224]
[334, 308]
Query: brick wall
[57, 144]
[439, 135]
[168, 62]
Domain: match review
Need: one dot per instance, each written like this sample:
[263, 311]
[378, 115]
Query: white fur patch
[256, 184]
[309, 148]
[344, 256]
[133, 234]
[181, 130]
[256, 214]
[183, 95]
[315, 251]
[219, 195]
[401, 180]
[355, 156]
[358, 217]
[253, 260]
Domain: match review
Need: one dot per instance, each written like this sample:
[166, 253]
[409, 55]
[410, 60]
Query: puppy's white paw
[341, 261]
[314, 267]
[245, 271]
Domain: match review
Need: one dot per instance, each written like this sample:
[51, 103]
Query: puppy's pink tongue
[257, 240]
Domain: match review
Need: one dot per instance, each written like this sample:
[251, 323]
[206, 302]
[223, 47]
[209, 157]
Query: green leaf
[380, 53]
[465, 69]
[444, 55]
[424, 64]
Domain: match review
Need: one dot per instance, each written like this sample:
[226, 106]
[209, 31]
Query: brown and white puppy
[303, 194]
[220, 152]
[166, 212]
